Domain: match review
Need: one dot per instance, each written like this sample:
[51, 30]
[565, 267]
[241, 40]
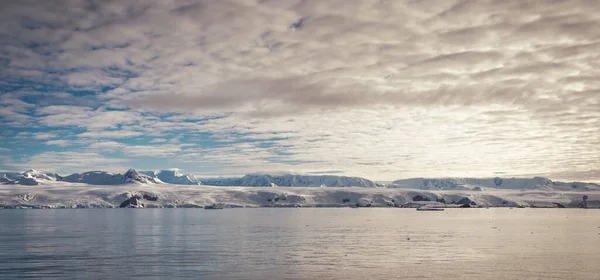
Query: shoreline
[70, 196]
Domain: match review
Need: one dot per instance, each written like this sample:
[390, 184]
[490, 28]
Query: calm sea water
[300, 244]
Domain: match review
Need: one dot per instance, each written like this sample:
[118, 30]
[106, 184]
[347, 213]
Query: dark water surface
[300, 244]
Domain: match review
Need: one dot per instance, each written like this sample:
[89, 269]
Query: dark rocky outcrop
[421, 198]
[133, 202]
[498, 181]
[466, 200]
[150, 197]
[137, 200]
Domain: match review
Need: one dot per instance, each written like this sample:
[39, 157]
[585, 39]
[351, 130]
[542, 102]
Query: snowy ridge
[291, 180]
[105, 178]
[30, 177]
[278, 179]
[476, 184]
[173, 177]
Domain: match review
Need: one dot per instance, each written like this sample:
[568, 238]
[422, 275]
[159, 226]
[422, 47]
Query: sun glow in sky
[373, 88]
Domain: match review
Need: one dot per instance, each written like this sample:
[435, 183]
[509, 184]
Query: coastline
[69, 196]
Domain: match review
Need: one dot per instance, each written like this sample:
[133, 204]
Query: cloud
[44, 135]
[165, 150]
[158, 140]
[13, 112]
[68, 162]
[85, 117]
[110, 134]
[384, 89]
[60, 143]
[107, 146]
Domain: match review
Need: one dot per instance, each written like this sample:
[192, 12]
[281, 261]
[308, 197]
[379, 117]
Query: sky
[383, 89]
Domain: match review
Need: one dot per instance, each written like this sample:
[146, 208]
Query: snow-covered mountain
[11, 176]
[30, 177]
[104, 178]
[36, 177]
[291, 180]
[173, 177]
[540, 183]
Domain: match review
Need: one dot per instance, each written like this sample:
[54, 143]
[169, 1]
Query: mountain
[535, 183]
[9, 176]
[4, 179]
[30, 177]
[105, 178]
[36, 177]
[173, 177]
[291, 180]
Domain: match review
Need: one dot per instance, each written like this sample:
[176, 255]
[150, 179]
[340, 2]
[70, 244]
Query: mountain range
[157, 177]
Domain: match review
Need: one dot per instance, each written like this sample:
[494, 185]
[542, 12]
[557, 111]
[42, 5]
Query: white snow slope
[538, 183]
[30, 177]
[173, 177]
[105, 178]
[291, 180]
[77, 195]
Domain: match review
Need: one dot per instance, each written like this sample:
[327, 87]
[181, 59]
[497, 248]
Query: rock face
[292, 180]
[173, 177]
[10, 176]
[465, 200]
[132, 177]
[27, 181]
[5, 179]
[137, 200]
[133, 202]
[420, 198]
[150, 197]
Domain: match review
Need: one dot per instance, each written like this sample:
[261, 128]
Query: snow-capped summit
[105, 178]
[33, 177]
[132, 176]
[173, 176]
[36, 174]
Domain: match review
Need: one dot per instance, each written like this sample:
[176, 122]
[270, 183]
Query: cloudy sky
[384, 89]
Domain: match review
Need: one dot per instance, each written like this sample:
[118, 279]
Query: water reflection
[299, 244]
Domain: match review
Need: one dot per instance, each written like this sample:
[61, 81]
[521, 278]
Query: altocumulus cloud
[384, 89]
